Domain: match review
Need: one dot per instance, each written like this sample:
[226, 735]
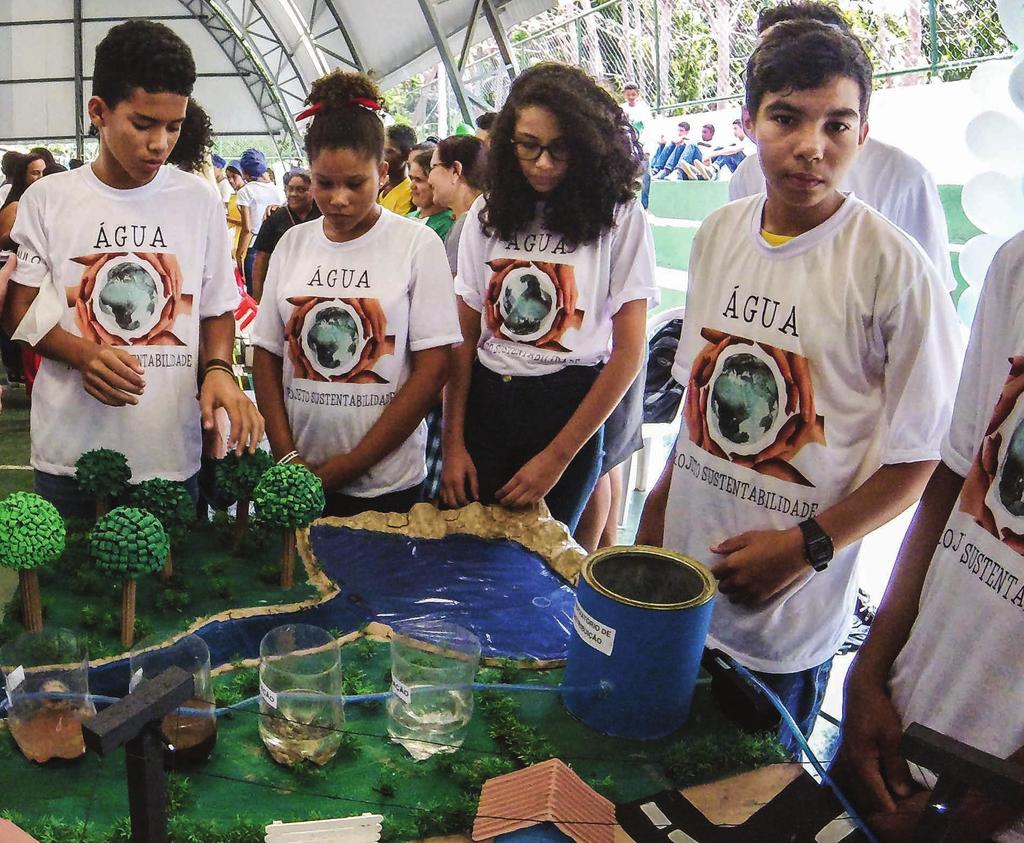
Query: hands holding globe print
[532, 301]
[337, 340]
[993, 491]
[752, 404]
[129, 298]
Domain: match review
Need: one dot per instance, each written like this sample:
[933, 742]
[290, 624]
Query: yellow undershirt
[775, 240]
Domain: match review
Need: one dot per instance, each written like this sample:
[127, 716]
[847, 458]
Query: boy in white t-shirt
[131, 257]
[818, 350]
[253, 200]
[944, 647]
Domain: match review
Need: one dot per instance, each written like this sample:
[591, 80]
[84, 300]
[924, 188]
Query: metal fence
[692, 53]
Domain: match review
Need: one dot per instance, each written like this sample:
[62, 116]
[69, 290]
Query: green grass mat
[208, 578]
[240, 789]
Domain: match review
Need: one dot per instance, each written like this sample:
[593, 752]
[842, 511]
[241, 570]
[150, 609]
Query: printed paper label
[268, 696]
[401, 690]
[133, 683]
[14, 679]
[593, 632]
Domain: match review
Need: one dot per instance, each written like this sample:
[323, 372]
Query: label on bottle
[268, 696]
[401, 690]
[14, 679]
[592, 631]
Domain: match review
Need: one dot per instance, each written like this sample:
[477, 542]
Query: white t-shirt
[807, 367]
[5, 191]
[345, 318]
[545, 304]
[224, 190]
[95, 248]
[257, 196]
[959, 672]
[892, 182]
[642, 119]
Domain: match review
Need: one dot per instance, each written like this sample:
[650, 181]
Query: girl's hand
[533, 481]
[458, 474]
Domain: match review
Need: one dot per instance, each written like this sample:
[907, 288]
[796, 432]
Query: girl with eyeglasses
[555, 272]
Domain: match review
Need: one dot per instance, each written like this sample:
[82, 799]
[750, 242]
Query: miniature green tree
[31, 535]
[173, 506]
[237, 477]
[104, 474]
[130, 542]
[289, 497]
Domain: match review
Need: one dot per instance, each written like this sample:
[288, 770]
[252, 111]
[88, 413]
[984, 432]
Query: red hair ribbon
[316, 108]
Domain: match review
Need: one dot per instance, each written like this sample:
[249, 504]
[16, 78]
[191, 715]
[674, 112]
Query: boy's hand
[111, 375]
[759, 564]
[870, 763]
[220, 390]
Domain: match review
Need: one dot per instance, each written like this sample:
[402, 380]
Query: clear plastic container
[190, 732]
[47, 679]
[302, 711]
[433, 665]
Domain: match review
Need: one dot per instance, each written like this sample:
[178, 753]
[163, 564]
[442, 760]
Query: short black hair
[797, 55]
[298, 173]
[402, 136]
[801, 10]
[141, 54]
[486, 120]
[341, 122]
[631, 86]
[684, 125]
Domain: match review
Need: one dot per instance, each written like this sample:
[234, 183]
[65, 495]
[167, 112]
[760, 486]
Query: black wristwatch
[818, 548]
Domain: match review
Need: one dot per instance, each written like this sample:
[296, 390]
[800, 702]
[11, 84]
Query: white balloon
[1011, 16]
[976, 256]
[1017, 85]
[990, 84]
[994, 202]
[968, 304]
[992, 135]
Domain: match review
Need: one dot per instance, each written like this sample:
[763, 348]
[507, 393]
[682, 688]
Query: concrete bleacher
[677, 209]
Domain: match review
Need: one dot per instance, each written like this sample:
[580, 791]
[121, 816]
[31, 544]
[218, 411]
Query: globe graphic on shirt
[334, 339]
[525, 304]
[745, 399]
[1011, 481]
[129, 296]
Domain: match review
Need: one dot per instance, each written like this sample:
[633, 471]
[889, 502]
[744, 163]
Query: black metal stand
[959, 767]
[134, 723]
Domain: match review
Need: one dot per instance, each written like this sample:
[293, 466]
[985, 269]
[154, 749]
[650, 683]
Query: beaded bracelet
[291, 456]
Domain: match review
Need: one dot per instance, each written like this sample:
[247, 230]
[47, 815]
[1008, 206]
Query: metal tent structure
[256, 58]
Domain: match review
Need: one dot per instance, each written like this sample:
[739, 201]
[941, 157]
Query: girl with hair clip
[556, 267]
[358, 317]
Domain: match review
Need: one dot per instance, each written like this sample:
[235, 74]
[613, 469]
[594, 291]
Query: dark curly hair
[471, 153]
[804, 53]
[141, 54]
[19, 177]
[801, 10]
[342, 123]
[194, 141]
[603, 168]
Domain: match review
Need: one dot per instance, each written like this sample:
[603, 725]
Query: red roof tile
[545, 792]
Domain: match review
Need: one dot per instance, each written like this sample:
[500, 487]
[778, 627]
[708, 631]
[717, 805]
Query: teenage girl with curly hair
[555, 271]
[357, 320]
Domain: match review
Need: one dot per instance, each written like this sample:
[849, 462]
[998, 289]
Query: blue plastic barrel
[641, 618]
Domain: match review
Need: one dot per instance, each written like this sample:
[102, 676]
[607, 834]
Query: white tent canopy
[255, 58]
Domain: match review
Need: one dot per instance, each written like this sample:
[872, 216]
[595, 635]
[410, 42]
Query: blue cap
[254, 163]
[236, 165]
[218, 162]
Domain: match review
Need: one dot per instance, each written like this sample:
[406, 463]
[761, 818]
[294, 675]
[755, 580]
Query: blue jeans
[687, 152]
[730, 161]
[802, 694]
[661, 156]
[645, 183]
[71, 502]
[510, 421]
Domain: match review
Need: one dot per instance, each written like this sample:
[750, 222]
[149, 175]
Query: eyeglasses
[531, 150]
